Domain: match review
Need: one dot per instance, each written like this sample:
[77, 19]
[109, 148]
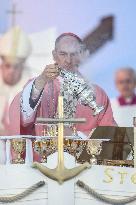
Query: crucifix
[13, 12]
[60, 173]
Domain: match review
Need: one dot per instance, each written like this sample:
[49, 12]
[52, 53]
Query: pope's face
[125, 83]
[11, 72]
[68, 53]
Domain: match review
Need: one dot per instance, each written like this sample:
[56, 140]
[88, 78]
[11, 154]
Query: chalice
[40, 146]
[18, 145]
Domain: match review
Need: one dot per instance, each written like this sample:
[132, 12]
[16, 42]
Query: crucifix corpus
[60, 173]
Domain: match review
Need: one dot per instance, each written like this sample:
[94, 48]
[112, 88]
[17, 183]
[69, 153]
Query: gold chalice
[40, 146]
[18, 146]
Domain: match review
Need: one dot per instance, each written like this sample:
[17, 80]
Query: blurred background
[43, 20]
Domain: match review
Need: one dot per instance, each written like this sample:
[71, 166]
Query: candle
[60, 132]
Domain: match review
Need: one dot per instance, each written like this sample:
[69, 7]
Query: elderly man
[15, 47]
[124, 107]
[40, 96]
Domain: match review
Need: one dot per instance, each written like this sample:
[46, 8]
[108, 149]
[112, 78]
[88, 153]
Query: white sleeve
[27, 113]
[82, 135]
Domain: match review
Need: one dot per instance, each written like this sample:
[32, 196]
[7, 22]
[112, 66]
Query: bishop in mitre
[15, 47]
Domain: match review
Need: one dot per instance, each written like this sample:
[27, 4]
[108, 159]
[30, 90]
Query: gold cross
[60, 173]
[13, 12]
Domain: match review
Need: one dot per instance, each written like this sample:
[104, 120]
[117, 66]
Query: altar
[59, 178]
[112, 182]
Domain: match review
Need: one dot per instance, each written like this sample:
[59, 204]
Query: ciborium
[94, 148]
[18, 147]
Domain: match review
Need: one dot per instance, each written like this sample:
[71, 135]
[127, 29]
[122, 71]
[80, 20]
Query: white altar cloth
[117, 182]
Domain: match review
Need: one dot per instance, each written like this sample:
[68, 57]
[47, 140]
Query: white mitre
[15, 44]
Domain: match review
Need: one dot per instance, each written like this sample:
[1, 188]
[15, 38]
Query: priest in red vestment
[40, 96]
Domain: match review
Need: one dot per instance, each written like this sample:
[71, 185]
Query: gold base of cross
[60, 173]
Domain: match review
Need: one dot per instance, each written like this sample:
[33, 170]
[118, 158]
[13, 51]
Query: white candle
[60, 131]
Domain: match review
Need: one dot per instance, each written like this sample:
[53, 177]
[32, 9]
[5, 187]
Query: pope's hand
[50, 73]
